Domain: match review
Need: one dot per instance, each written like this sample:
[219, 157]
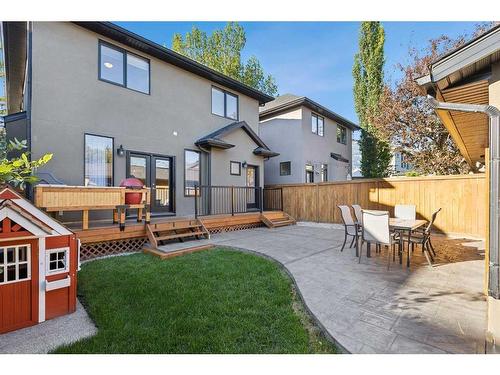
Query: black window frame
[315, 115]
[199, 172]
[231, 162]
[112, 156]
[226, 93]
[289, 168]
[341, 128]
[124, 53]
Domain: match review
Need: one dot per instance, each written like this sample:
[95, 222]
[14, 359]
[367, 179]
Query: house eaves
[214, 139]
[130, 39]
[318, 108]
[470, 53]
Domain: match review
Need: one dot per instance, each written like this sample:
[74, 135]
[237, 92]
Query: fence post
[281, 199]
[196, 201]
[232, 200]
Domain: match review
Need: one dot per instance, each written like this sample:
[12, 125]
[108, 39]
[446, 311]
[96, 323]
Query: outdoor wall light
[120, 151]
[244, 164]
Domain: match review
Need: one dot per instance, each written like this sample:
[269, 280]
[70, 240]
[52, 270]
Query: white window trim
[47, 261]
[16, 263]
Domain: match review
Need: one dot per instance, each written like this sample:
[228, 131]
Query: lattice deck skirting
[100, 249]
[233, 228]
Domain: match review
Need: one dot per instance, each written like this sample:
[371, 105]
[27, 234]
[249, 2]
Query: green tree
[221, 51]
[18, 171]
[368, 87]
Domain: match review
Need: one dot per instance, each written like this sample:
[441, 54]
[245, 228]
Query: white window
[57, 261]
[15, 263]
[317, 125]
[324, 172]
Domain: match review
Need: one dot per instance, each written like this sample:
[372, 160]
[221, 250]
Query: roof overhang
[306, 102]
[462, 76]
[215, 139]
[339, 157]
[128, 38]
[265, 152]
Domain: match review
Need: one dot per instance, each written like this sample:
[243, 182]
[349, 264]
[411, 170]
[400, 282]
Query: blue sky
[314, 58]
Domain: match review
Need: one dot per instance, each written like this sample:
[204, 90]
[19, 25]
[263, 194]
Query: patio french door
[156, 172]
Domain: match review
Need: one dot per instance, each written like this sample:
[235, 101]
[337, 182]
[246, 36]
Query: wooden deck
[105, 231]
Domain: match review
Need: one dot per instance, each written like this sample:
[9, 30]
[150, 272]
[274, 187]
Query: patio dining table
[406, 225]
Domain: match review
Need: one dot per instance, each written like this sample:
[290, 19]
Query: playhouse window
[57, 261]
[14, 263]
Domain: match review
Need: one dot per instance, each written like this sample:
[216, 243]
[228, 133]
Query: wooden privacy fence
[461, 197]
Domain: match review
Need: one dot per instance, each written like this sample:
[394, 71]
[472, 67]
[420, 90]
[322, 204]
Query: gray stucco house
[313, 142]
[110, 104]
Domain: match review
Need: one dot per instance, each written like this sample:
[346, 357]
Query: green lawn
[214, 301]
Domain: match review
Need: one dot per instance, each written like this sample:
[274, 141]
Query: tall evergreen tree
[368, 87]
[222, 51]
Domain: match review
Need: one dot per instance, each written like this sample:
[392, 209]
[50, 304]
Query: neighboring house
[399, 166]
[464, 86]
[314, 143]
[110, 104]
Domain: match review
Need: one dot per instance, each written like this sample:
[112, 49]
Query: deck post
[261, 197]
[196, 201]
[232, 200]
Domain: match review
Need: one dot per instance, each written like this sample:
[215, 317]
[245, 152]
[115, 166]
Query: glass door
[154, 171]
[160, 178]
[252, 182]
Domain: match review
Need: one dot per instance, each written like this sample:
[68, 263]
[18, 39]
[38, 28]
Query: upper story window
[317, 124]
[123, 68]
[224, 104]
[341, 135]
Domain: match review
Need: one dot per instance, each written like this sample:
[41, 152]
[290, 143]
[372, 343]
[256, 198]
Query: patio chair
[376, 231]
[405, 211]
[350, 227]
[358, 213]
[424, 239]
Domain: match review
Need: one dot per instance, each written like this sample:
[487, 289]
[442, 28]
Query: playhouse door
[18, 285]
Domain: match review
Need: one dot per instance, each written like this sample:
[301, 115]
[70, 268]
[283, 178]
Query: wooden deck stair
[275, 219]
[175, 229]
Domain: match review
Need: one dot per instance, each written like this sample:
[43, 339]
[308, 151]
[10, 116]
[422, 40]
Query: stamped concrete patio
[368, 309]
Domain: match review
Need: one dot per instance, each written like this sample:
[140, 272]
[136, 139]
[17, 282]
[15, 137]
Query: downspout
[494, 169]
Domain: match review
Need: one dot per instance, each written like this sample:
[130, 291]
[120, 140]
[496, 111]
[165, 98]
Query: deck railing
[273, 199]
[227, 200]
[63, 198]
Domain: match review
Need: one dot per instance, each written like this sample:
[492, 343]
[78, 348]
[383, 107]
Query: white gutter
[494, 170]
